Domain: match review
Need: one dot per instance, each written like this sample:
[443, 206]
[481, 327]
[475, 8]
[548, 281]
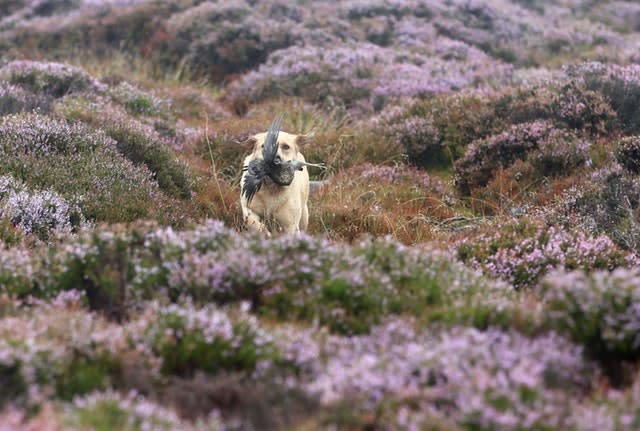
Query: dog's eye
[285, 146]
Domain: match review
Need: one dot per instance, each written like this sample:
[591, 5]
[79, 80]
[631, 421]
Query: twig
[213, 162]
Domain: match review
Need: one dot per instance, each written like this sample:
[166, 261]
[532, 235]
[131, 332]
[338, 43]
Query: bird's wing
[255, 173]
[270, 148]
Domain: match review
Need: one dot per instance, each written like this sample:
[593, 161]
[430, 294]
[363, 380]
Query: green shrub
[620, 85]
[136, 141]
[53, 79]
[524, 105]
[105, 267]
[609, 203]
[598, 310]
[435, 132]
[80, 376]
[628, 154]
[171, 175]
[136, 101]
[209, 340]
[80, 164]
[524, 251]
[583, 109]
[484, 157]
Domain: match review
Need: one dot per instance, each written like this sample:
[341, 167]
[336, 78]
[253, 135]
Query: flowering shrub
[607, 203]
[436, 131]
[18, 268]
[362, 77]
[66, 352]
[628, 154]
[188, 339]
[482, 380]
[525, 104]
[136, 141]
[523, 252]
[14, 99]
[599, 310]
[53, 79]
[357, 9]
[300, 278]
[316, 74]
[560, 154]
[484, 156]
[75, 162]
[124, 412]
[41, 213]
[397, 174]
[136, 101]
[228, 37]
[615, 410]
[580, 108]
[620, 85]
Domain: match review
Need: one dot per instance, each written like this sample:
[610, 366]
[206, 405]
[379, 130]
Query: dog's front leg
[254, 223]
[289, 219]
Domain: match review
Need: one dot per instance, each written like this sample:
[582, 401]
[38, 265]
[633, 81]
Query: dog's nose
[277, 160]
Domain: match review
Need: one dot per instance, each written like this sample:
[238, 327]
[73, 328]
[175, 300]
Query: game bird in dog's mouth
[275, 181]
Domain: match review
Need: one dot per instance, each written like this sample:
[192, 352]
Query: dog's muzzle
[282, 173]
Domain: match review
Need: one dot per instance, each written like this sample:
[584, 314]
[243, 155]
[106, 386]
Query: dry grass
[349, 206]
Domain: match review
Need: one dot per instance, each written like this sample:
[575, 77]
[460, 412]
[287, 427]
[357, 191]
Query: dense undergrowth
[472, 255]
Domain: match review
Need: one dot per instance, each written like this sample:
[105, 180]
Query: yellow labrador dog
[275, 182]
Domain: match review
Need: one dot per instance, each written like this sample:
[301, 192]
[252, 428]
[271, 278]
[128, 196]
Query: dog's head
[281, 156]
[288, 145]
[276, 157]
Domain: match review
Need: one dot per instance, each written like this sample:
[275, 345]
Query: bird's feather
[258, 169]
[256, 173]
[271, 164]
[270, 148]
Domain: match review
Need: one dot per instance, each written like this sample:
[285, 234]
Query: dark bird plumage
[271, 165]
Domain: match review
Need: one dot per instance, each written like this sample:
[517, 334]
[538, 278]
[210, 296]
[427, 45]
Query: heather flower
[141, 143]
[489, 379]
[607, 204]
[41, 213]
[14, 99]
[396, 175]
[135, 411]
[419, 136]
[521, 254]
[360, 76]
[424, 128]
[600, 310]
[226, 37]
[560, 153]
[620, 85]
[40, 348]
[628, 154]
[580, 108]
[18, 268]
[357, 9]
[189, 339]
[484, 156]
[75, 161]
[136, 101]
[53, 79]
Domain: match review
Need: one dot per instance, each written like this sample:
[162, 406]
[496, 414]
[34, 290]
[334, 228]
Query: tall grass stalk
[213, 162]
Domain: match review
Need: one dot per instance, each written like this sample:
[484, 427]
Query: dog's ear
[302, 140]
[249, 143]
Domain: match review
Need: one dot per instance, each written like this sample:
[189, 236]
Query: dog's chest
[271, 198]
